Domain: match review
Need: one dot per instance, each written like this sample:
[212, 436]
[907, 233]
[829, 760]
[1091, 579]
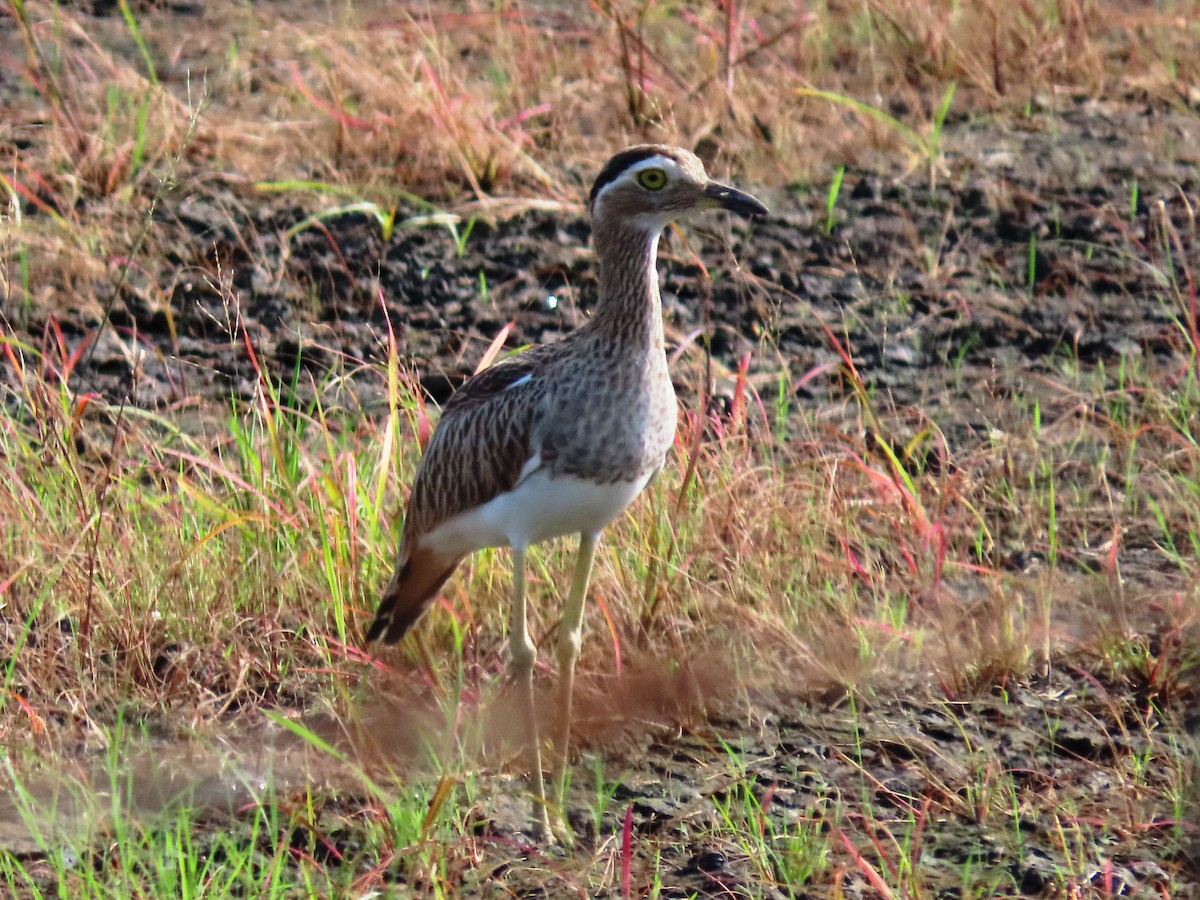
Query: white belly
[540, 507]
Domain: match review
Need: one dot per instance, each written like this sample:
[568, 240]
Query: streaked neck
[629, 308]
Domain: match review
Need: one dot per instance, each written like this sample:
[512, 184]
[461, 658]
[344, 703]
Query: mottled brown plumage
[560, 438]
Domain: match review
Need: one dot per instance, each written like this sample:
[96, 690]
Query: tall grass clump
[145, 562]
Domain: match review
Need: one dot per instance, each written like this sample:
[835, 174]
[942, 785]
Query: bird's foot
[562, 833]
[548, 826]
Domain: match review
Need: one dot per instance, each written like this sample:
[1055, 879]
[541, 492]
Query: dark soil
[1020, 254]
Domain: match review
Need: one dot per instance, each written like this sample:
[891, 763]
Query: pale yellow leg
[524, 653]
[570, 638]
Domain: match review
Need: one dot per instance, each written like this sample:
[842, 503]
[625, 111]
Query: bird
[560, 438]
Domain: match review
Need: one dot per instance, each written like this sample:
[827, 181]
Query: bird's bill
[724, 197]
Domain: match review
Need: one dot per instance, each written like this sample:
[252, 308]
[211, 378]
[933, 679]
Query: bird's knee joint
[569, 644]
[524, 653]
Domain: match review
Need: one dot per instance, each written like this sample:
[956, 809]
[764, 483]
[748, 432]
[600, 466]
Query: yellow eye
[652, 179]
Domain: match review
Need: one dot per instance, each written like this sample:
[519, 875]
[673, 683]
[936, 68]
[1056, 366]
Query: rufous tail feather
[409, 594]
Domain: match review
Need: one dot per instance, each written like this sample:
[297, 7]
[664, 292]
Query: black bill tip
[725, 197]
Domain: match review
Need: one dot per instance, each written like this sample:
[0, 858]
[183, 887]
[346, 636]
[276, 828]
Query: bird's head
[650, 185]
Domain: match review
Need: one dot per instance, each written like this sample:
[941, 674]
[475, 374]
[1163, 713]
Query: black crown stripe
[619, 163]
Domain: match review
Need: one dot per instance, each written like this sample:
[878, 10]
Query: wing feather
[477, 452]
[479, 447]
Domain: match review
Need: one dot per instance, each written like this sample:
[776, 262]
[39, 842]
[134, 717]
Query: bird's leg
[570, 638]
[523, 655]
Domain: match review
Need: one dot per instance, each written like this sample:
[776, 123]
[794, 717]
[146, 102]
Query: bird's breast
[612, 425]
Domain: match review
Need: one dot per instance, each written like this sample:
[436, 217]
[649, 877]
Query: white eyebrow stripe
[668, 165]
[654, 162]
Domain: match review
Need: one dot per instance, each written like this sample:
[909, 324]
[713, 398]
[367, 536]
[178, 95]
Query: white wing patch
[532, 465]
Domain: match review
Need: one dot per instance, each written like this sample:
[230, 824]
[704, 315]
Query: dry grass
[374, 104]
[527, 100]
